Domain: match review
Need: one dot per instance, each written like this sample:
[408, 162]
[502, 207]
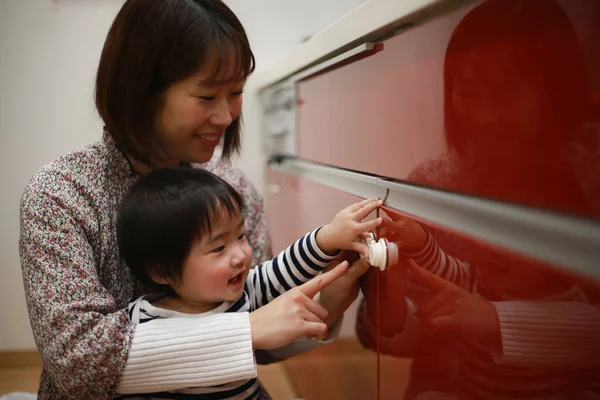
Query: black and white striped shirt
[294, 266]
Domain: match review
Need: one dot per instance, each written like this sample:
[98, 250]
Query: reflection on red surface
[498, 100]
[520, 124]
[516, 97]
[480, 322]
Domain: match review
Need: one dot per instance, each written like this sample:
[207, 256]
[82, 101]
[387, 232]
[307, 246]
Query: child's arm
[294, 266]
[436, 261]
[304, 259]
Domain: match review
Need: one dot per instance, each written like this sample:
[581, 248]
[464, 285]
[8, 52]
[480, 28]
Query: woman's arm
[84, 338]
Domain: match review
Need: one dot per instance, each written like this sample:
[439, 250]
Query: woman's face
[500, 114]
[194, 117]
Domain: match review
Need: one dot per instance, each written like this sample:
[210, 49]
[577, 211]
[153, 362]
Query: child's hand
[451, 308]
[293, 314]
[346, 227]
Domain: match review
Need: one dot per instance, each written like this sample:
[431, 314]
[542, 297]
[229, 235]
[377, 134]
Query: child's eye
[219, 249]
[242, 236]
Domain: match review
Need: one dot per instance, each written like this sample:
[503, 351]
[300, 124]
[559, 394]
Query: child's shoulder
[141, 310]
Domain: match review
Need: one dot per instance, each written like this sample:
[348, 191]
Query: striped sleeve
[294, 266]
[138, 314]
[552, 334]
[436, 261]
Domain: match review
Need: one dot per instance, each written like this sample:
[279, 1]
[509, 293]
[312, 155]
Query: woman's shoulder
[71, 173]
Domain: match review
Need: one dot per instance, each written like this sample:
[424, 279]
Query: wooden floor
[26, 379]
[340, 370]
[19, 379]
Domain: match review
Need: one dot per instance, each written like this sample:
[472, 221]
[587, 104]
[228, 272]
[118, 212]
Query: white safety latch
[382, 253]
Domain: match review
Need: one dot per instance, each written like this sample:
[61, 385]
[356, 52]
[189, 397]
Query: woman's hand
[294, 314]
[337, 297]
[346, 227]
[451, 308]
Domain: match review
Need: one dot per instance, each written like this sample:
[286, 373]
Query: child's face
[217, 267]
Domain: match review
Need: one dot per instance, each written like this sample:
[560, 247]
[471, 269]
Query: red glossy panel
[491, 324]
[282, 205]
[299, 206]
[499, 100]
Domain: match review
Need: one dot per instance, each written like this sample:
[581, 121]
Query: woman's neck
[142, 168]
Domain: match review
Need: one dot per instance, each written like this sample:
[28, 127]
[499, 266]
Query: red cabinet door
[498, 99]
[515, 118]
[482, 322]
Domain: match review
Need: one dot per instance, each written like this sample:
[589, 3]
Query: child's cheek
[220, 276]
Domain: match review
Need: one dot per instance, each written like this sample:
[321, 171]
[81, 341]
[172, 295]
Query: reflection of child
[521, 334]
[180, 231]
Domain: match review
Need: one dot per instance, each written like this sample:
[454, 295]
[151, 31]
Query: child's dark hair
[162, 216]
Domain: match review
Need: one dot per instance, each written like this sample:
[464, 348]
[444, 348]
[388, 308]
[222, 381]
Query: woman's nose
[221, 114]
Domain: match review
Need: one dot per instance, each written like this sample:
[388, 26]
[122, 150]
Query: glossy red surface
[498, 100]
[552, 321]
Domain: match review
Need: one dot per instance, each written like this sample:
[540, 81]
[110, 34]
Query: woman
[169, 89]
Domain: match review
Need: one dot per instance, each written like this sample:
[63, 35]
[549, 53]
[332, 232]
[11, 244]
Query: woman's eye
[238, 93]
[242, 236]
[219, 249]
[207, 98]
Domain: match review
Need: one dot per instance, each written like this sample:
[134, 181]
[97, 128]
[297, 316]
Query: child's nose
[239, 256]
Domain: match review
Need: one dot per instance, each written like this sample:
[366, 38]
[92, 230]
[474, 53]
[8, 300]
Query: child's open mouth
[236, 280]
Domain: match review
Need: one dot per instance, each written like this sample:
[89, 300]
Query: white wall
[49, 51]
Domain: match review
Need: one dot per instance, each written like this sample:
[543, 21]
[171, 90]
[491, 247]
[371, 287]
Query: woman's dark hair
[165, 212]
[538, 35]
[153, 44]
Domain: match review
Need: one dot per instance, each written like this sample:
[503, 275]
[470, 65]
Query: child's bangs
[222, 204]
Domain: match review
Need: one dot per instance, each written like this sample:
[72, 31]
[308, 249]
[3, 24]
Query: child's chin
[235, 294]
